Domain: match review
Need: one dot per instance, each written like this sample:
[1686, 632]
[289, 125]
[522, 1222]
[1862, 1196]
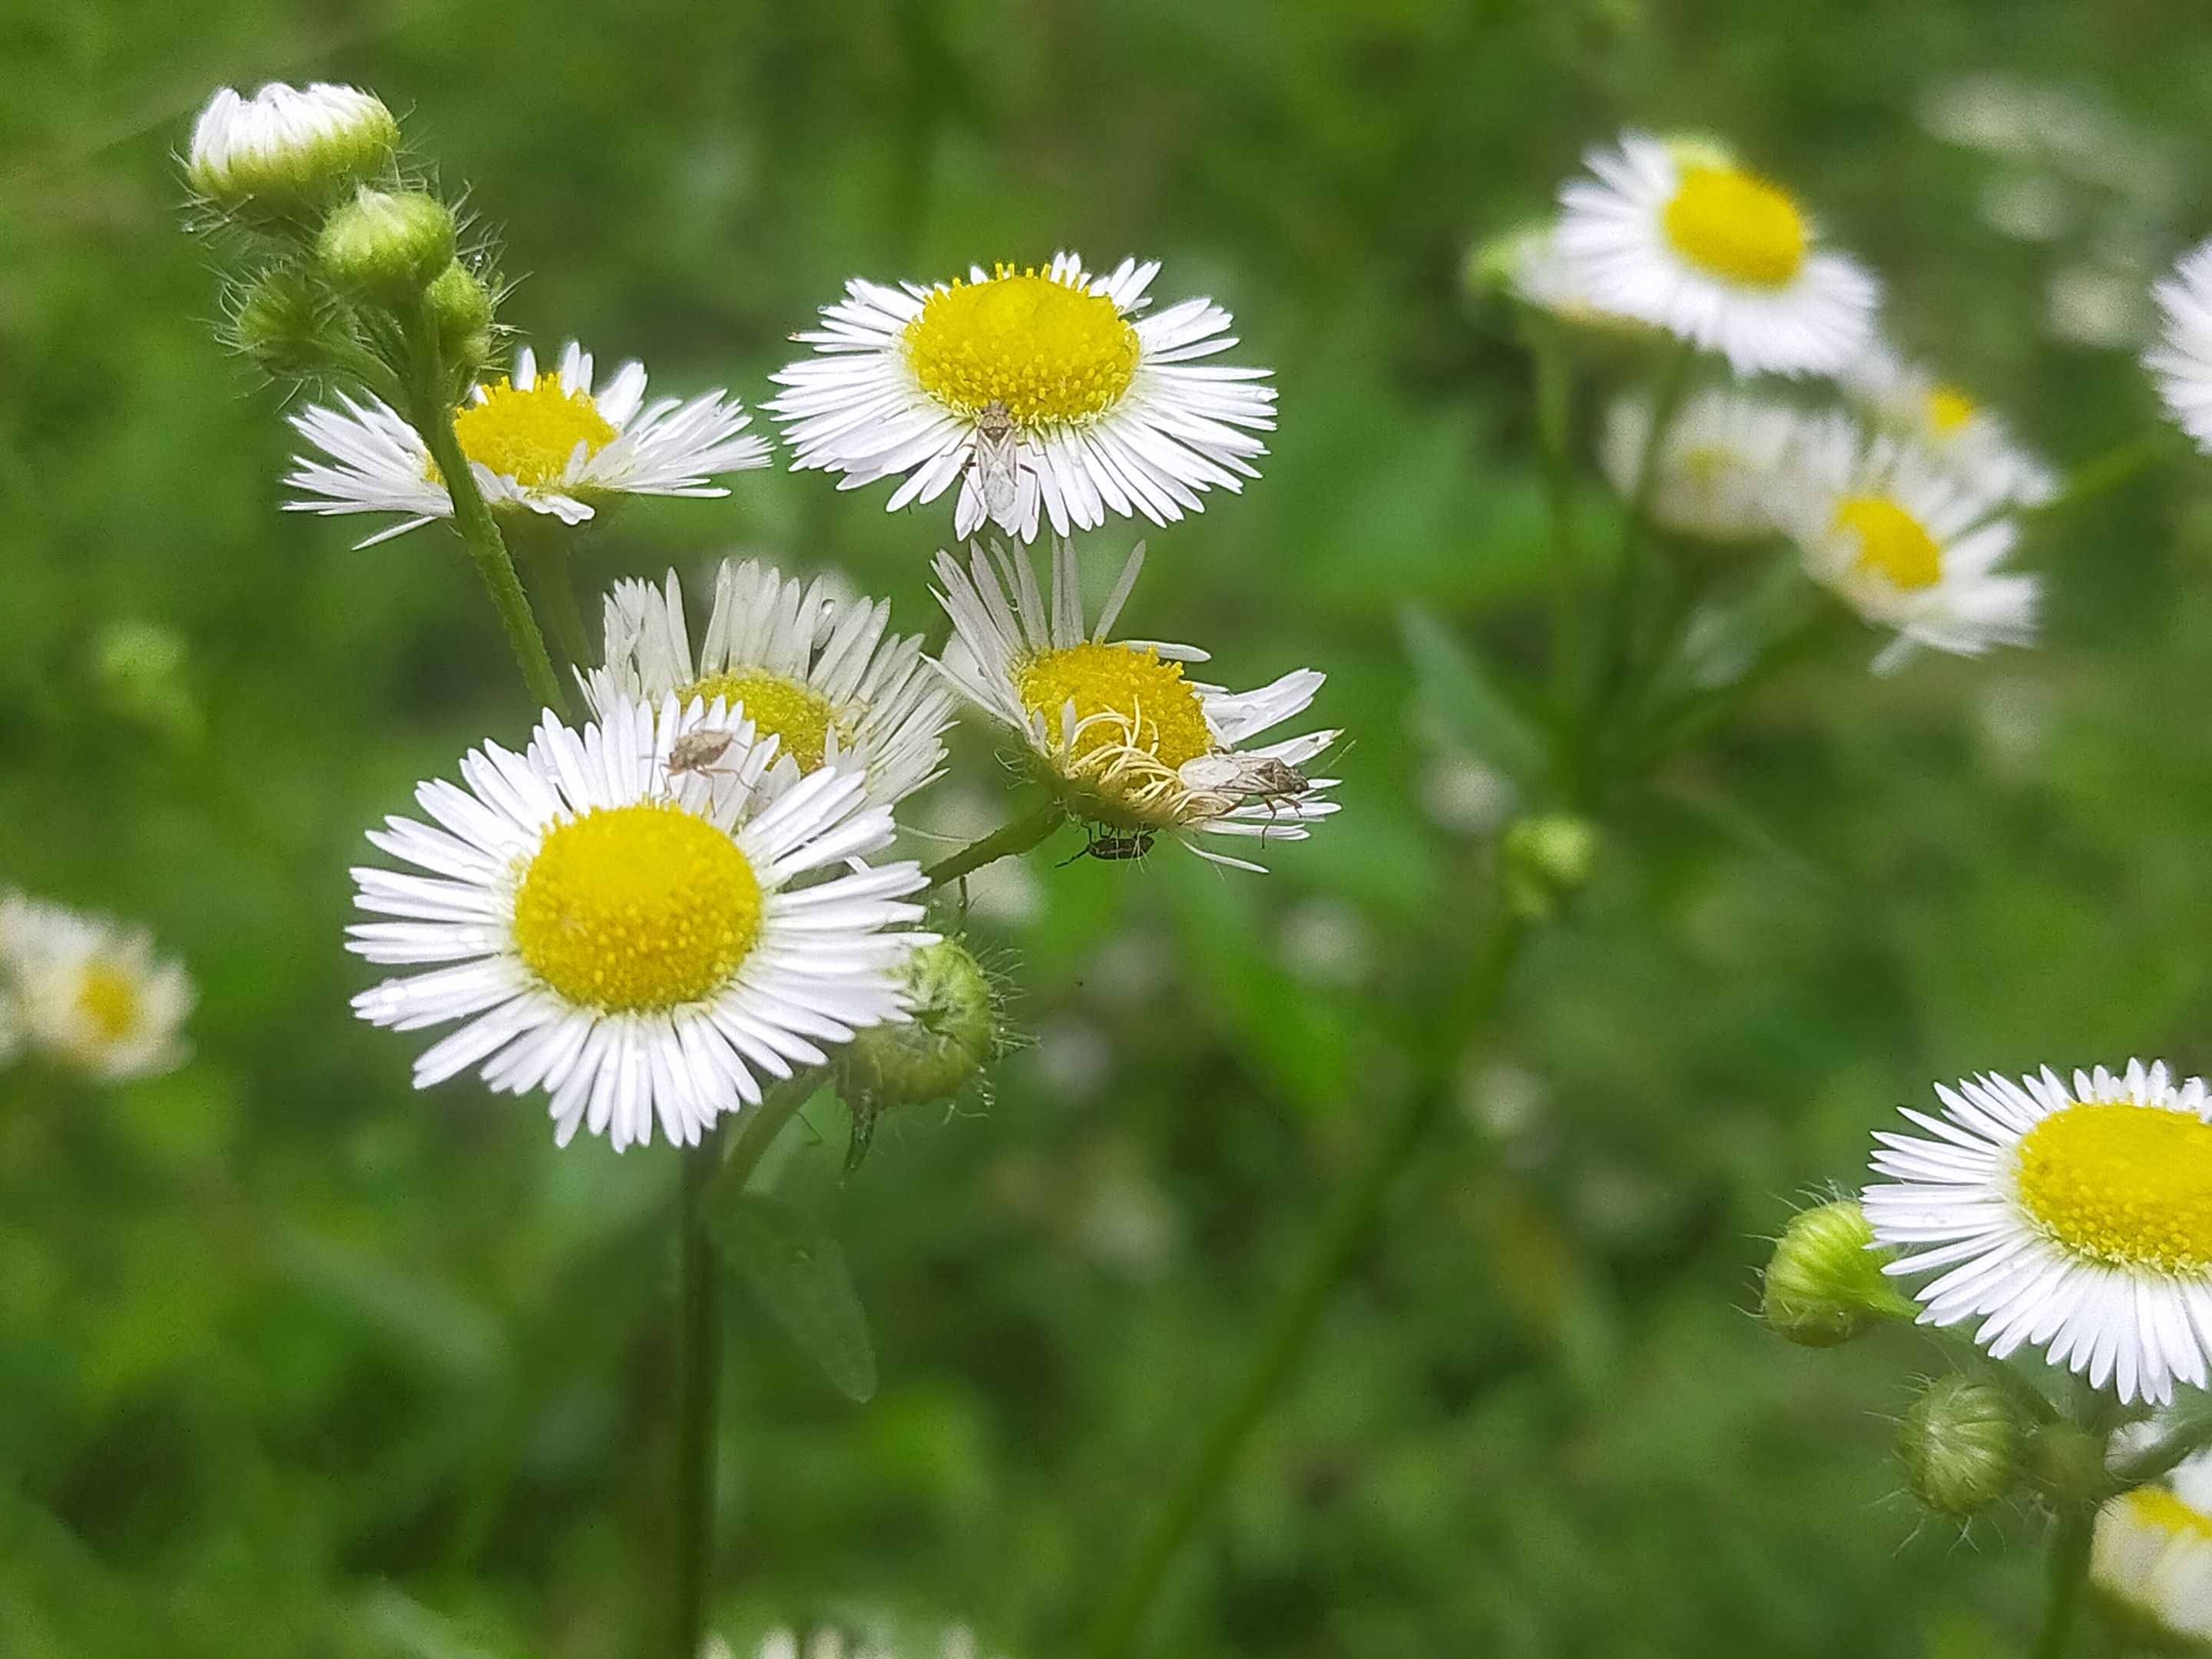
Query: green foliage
[796, 1269]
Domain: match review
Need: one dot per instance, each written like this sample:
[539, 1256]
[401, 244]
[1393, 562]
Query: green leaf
[1464, 694]
[797, 1272]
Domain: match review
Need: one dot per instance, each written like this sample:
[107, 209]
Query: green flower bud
[951, 1033]
[1546, 860]
[463, 305]
[283, 325]
[1961, 1445]
[2066, 1463]
[390, 245]
[1824, 1286]
[1495, 264]
[285, 153]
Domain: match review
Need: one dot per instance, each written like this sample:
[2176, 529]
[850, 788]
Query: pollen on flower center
[108, 997]
[1150, 705]
[2129, 1186]
[1736, 226]
[2156, 1506]
[1949, 409]
[1046, 350]
[637, 907]
[529, 435]
[797, 715]
[1892, 544]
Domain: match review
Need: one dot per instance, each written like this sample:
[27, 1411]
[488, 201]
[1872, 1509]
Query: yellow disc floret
[1892, 544]
[1737, 226]
[1046, 350]
[1122, 696]
[107, 997]
[638, 906]
[528, 435]
[2129, 1186]
[1949, 409]
[2154, 1506]
[794, 713]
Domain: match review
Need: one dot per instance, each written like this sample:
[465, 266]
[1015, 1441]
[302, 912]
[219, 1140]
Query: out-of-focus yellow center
[2129, 1186]
[1736, 226]
[797, 715]
[636, 906]
[1046, 350]
[1152, 707]
[2154, 1506]
[1892, 544]
[1949, 409]
[108, 998]
[529, 436]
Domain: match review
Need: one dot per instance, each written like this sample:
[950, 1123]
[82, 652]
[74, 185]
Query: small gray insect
[1256, 777]
[996, 456]
[696, 752]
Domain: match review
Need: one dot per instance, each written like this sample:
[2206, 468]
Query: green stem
[2188, 1434]
[2110, 469]
[543, 544]
[698, 1388]
[2066, 1572]
[757, 1129]
[1555, 388]
[1018, 836]
[1291, 1326]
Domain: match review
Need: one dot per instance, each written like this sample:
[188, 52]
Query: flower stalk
[698, 1396]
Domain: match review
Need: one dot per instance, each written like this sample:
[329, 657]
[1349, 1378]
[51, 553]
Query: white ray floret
[1129, 743]
[540, 443]
[1050, 394]
[646, 943]
[2077, 1220]
[1908, 401]
[813, 670]
[1678, 234]
[2181, 363]
[89, 992]
[288, 143]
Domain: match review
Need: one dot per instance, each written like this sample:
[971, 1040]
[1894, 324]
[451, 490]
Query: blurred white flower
[88, 992]
[1903, 398]
[1714, 477]
[2151, 1556]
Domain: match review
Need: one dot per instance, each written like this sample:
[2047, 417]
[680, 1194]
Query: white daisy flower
[2181, 363]
[1036, 390]
[1679, 234]
[812, 670]
[627, 924]
[1129, 745]
[1715, 476]
[1906, 400]
[286, 146]
[540, 443]
[89, 992]
[1904, 540]
[2078, 1220]
[2150, 1558]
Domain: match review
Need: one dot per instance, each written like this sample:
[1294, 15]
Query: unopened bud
[287, 153]
[283, 325]
[2066, 1463]
[1495, 264]
[463, 305]
[1961, 1445]
[1546, 860]
[950, 1034]
[1824, 1286]
[389, 243]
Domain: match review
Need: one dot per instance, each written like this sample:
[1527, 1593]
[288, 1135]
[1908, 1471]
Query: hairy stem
[2065, 1573]
[1291, 1326]
[543, 544]
[698, 1390]
[1018, 836]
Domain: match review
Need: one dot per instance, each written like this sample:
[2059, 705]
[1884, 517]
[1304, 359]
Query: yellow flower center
[1157, 711]
[796, 714]
[1892, 544]
[1046, 350]
[1949, 409]
[2154, 1506]
[529, 436]
[636, 906]
[108, 998]
[1736, 226]
[2129, 1186]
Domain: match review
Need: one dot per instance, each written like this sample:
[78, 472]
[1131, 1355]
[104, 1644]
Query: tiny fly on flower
[995, 456]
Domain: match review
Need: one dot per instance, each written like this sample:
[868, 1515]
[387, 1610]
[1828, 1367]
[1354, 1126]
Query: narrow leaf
[1465, 696]
[797, 1272]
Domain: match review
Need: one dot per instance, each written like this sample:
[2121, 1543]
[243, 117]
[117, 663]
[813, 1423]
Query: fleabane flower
[538, 443]
[1715, 475]
[2181, 363]
[1906, 540]
[816, 673]
[288, 150]
[89, 992]
[1907, 400]
[2150, 1557]
[1036, 391]
[1679, 234]
[1131, 746]
[2074, 1219]
[629, 924]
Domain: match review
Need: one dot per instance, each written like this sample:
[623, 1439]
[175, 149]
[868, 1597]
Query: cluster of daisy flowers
[88, 993]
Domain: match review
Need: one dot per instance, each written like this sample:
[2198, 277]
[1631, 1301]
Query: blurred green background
[294, 1362]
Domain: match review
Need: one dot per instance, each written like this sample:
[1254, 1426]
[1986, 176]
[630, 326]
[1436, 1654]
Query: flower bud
[286, 152]
[1546, 860]
[951, 1032]
[1824, 1286]
[1961, 1445]
[283, 325]
[2066, 1463]
[390, 245]
[462, 306]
